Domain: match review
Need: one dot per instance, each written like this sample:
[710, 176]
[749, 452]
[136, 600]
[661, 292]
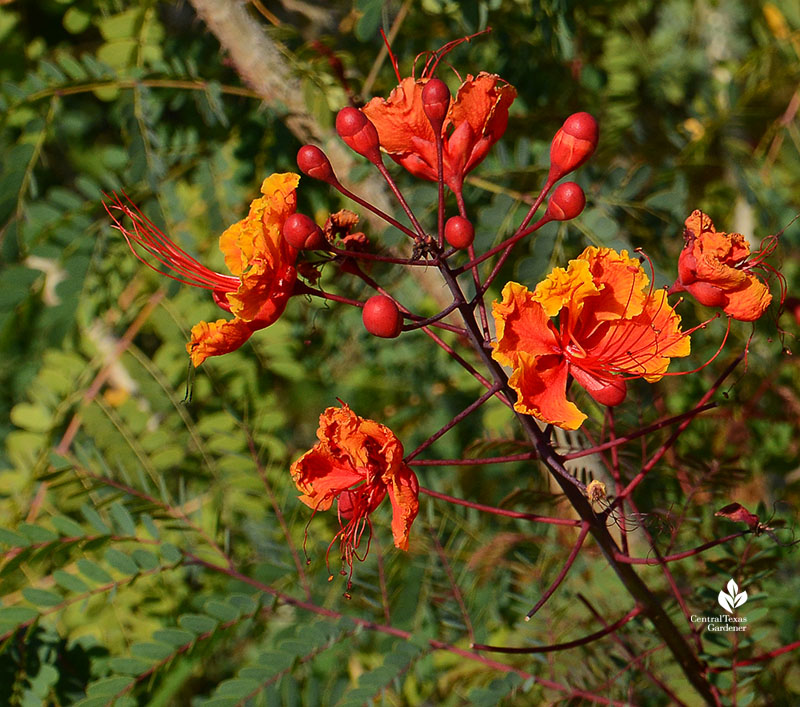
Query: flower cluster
[599, 321]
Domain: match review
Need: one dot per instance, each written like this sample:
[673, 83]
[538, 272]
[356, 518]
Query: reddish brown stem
[633, 613]
[399, 633]
[563, 573]
[499, 511]
[627, 559]
[677, 433]
[624, 439]
[450, 425]
[475, 462]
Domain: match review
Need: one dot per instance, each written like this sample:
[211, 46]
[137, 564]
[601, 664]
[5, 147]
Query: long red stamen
[718, 352]
[392, 57]
[184, 268]
[436, 57]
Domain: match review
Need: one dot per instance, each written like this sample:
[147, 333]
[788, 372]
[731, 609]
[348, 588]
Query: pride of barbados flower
[474, 121]
[612, 327]
[718, 271]
[357, 462]
[261, 261]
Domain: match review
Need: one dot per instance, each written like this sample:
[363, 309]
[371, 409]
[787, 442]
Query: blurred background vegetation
[114, 489]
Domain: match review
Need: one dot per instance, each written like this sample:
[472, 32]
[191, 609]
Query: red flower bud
[302, 233]
[436, 102]
[358, 133]
[687, 265]
[606, 392]
[315, 163]
[573, 144]
[707, 294]
[459, 232]
[381, 317]
[566, 203]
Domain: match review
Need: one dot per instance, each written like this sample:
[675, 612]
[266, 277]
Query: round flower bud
[436, 102]
[458, 232]
[315, 163]
[381, 317]
[606, 392]
[707, 294]
[572, 145]
[566, 203]
[302, 233]
[358, 133]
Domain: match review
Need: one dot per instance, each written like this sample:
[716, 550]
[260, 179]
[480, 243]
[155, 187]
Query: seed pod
[358, 133]
[572, 145]
[315, 163]
[436, 102]
[459, 232]
[302, 233]
[566, 203]
[382, 317]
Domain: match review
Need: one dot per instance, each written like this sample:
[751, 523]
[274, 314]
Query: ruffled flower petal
[403, 489]
[321, 479]
[259, 235]
[566, 288]
[621, 280]
[217, 338]
[748, 302]
[476, 119]
[483, 102]
[541, 384]
[522, 325]
[400, 118]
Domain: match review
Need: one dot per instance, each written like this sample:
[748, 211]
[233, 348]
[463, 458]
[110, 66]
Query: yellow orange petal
[217, 338]
[541, 385]
[566, 288]
[258, 235]
[621, 280]
[521, 325]
[750, 302]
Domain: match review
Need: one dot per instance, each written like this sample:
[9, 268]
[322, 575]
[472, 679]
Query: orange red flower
[612, 327]
[357, 462]
[262, 264]
[475, 120]
[717, 269]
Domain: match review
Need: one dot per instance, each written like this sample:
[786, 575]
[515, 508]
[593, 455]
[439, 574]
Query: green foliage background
[106, 592]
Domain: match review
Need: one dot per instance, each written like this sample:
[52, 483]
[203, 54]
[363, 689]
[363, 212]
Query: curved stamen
[152, 240]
